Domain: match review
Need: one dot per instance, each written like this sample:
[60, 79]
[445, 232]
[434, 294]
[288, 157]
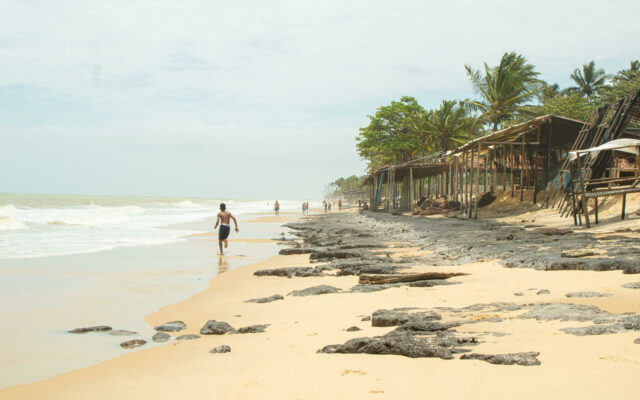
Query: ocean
[74, 261]
[34, 225]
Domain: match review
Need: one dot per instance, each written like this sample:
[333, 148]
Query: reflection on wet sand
[222, 265]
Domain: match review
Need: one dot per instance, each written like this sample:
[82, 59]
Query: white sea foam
[51, 225]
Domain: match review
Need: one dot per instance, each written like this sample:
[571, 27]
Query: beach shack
[600, 157]
[519, 160]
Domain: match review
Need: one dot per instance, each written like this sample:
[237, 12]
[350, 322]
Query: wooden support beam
[583, 190]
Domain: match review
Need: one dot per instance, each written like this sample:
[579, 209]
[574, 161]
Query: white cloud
[172, 73]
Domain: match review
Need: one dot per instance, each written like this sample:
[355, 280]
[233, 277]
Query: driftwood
[367, 279]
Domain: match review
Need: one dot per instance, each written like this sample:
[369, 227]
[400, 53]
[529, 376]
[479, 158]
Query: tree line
[505, 94]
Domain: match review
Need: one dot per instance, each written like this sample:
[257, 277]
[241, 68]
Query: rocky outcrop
[408, 346]
[220, 349]
[588, 294]
[293, 271]
[266, 299]
[121, 332]
[213, 327]
[399, 316]
[315, 290]
[160, 337]
[99, 328]
[131, 344]
[253, 329]
[526, 359]
[188, 337]
[173, 326]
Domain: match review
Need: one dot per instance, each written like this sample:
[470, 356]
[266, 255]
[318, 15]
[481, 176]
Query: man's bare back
[224, 219]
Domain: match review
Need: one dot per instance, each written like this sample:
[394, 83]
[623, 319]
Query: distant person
[324, 203]
[307, 207]
[276, 208]
[339, 204]
[303, 207]
[365, 207]
[359, 205]
[224, 218]
[329, 206]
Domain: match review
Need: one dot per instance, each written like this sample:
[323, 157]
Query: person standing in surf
[224, 218]
[276, 208]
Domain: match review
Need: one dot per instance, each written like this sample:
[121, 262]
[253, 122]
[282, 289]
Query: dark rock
[543, 291]
[221, 349]
[315, 290]
[632, 322]
[518, 294]
[353, 329]
[295, 250]
[130, 344]
[100, 328]
[409, 346]
[266, 299]
[576, 253]
[213, 327]
[291, 272]
[632, 285]
[174, 326]
[637, 341]
[526, 359]
[119, 332]
[366, 269]
[592, 330]
[366, 318]
[397, 317]
[188, 337]
[253, 329]
[389, 317]
[160, 337]
[422, 326]
[332, 254]
[588, 294]
[563, 312]
[366, 288]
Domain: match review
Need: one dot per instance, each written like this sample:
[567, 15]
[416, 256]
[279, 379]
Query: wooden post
[411, 194]
[475, 216]
[511, 164]
[522, 164]
[486, 168]
[584, 197]
[624, 204]
[596, 210]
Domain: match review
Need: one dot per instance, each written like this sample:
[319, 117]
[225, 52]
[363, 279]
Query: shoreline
[283, 361]
[117, 287]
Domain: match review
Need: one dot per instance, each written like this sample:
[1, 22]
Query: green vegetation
[503, 89]
[506, 94]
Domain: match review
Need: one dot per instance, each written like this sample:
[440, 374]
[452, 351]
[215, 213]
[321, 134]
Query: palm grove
[506, 94]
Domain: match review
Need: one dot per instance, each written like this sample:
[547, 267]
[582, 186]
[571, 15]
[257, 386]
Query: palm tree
[633, 72]
[588, 80]
[447, 127]
[503, 88]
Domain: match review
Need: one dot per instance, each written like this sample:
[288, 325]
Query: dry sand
[283, 364]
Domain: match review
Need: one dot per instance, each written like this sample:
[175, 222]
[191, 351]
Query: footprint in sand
[353, 372]
[376, 391]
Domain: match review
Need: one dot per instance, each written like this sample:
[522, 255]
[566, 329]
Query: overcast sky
[253, 99]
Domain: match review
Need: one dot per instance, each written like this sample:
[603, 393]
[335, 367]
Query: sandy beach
[583, 345]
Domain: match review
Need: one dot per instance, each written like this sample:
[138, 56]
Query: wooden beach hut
[520, 160]
[589, 171]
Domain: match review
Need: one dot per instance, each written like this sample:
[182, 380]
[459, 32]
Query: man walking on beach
[276, 208]
[224, 218]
